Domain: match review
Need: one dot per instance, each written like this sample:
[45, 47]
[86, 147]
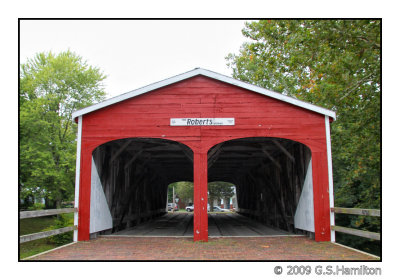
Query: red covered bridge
[202, 126]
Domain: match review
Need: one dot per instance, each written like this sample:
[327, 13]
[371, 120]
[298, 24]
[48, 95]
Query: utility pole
[173, 199]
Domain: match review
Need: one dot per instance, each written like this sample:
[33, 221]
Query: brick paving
[226, 248]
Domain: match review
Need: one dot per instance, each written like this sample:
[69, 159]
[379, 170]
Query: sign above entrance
[202, 121]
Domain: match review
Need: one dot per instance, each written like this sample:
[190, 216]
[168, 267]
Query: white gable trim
[210, 74]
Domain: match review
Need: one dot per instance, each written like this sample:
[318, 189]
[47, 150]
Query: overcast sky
[135, 53]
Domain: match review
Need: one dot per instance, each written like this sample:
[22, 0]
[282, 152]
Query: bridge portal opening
[271, 184]
[129, 182]
[180, 196]
[221, 196]
[273, 180]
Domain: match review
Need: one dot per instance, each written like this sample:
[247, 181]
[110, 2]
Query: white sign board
[202, 121]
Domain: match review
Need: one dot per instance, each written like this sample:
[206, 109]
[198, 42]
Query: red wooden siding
[256, 115]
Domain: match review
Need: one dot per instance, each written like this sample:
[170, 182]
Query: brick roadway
[226, 248]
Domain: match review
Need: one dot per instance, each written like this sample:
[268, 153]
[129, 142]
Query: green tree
[184, 190]
[51, 88]
[170, 192]
[219, 190]
[216, 190]
[334, 64]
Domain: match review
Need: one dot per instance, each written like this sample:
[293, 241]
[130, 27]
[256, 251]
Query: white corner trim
[330, 175]
[210, 74]
[77, 175]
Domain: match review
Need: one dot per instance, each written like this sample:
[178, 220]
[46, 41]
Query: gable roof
[210, 74]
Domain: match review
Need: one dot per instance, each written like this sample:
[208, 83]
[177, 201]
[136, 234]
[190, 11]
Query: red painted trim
[84, 193]
[321, 197]
[200, 219]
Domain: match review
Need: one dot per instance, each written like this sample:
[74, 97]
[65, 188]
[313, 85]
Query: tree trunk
[211, 202]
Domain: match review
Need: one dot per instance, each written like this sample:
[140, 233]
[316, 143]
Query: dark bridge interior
[135, 174]
[268, 173]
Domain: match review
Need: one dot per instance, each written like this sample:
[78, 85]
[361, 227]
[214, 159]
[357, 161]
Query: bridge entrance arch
[273, 180]
[130, 178]
[203, 110]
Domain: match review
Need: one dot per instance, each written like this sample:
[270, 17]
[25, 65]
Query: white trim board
[210, 74]
[77, 175]
[330, 175]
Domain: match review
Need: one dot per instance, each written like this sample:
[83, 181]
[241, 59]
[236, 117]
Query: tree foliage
[184, 190]
[219, 190]
[334, 64]
[51, 88]
[216, 190]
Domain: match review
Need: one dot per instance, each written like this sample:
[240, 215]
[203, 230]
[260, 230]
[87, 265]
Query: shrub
[61, 222]
[36, 206]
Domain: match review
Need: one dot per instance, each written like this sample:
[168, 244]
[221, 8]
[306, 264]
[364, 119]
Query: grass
[33, 225]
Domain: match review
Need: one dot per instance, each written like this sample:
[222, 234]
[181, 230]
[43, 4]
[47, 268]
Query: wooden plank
[133, 159]
[133, 217]
[187, 153]
[272, 159]
[44, 234]
[286, 152]
[121, 149]
[357, 232]
[41, 213]
[357, 211]
[214, 150]
[214, 158]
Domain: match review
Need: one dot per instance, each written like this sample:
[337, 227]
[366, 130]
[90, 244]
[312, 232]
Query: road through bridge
[219, 224]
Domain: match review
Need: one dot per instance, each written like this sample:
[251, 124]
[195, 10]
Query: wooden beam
[44, 234]
[283, 149]
[272, 159]
[279, 202]
[41, 213]
[213, 156]
[133, 159]
[141, 215]
[238, 149]
[121, 149]
[357, 232]
[214, 159]
[186, 152]
[357, 211]
[215, 150]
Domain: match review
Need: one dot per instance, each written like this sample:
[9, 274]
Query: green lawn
[33, 225]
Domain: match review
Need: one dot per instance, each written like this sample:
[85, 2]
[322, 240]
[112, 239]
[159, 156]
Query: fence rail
[357, 211]
[42, 213]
